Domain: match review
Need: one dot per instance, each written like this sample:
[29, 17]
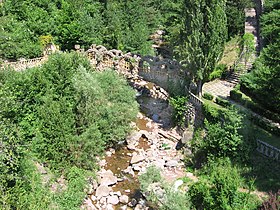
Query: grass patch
[231, 52]
[264, 171]
[265, 136]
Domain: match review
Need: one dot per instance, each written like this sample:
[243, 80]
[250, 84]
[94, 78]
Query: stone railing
[24, 64]
[268, 150]
[195, 100]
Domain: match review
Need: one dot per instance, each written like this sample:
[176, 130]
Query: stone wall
[102, 59]
[166, 73]
[162, 71]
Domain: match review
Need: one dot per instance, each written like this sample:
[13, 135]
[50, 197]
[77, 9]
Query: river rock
[123, 207]
[159, 163]
[118, 193]
[137, 158]
[113, 199]
[177, 184]
[133, 137]
[171, 163]
[187, 136]
[131, 146]
[136, 168]
[109, 180]
[124, 199]
[155, 117]
[102, 191]
[132, 203]
[110, 207]
[93, 197]
[139, 207]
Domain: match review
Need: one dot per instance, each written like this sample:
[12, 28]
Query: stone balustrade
[195, 100]
[24, 64]
[268, 150]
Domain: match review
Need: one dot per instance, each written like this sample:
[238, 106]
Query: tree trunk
[199, 88]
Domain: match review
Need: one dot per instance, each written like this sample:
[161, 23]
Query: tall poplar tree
[202, 37]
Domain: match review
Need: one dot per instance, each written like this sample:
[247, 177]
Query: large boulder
[102, 191]
[124, 199]
[113, 199]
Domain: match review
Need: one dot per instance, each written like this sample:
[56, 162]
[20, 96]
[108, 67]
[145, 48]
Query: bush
[222, 132]
[218, 186]
[68, 112]
[211, 112]
[218, 72]
[11, 155]
[222, 102]
[273, 203]
[180, 107]
[208, 96]
[235, 95]
[169, 199]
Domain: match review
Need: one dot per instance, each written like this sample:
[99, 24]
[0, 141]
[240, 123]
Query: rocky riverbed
[153, 141]
[117, 183]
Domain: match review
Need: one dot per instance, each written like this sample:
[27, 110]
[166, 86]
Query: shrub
[208, 96]
[169, 199]
[11, 155]
[68, 112]
[218, 186]
[222, 133]
[180, 107]
[235, 95]
[222, 102]
[210, 112]
[218, 72]
[273, 203]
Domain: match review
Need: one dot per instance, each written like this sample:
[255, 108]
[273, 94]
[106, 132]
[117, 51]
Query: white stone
[171, 163]
[123, 207]
[136, 168]
[131, 147]
[127, 191]
[118, 193]
[103, 200]
[177, 184]
[109, 207]
[93, 198]
[124, 199]
[137, 159]
[108, 178]
[113, 199]
[102, 191]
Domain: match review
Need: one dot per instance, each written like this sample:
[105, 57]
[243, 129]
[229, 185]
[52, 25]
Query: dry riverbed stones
[160, 150]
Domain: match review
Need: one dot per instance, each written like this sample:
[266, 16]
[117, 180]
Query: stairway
[240, 68]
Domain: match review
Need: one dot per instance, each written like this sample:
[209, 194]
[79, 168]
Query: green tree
[202, 38]
[248, 47]
[263, 82]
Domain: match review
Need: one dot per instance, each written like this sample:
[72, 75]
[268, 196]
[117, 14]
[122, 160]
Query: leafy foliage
[272, 203]
[202, 38]
[262, 84]
[180, 107]
[67, 111]
[170, 199]
[218, 188]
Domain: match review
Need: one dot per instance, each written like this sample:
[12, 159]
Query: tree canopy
[202, 37]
